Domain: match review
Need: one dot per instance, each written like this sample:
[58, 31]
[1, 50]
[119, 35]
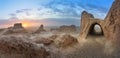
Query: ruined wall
[87, 20]
[110, 25]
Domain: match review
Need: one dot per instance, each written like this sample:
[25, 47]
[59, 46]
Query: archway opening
[95, 30]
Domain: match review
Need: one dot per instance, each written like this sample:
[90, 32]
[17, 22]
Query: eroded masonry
[110, 26]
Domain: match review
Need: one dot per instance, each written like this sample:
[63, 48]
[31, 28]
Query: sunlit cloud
[50, 12]
[60, 8]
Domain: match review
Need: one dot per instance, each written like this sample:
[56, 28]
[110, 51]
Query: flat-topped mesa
[17, 28]
[17, 25]
[40, 29]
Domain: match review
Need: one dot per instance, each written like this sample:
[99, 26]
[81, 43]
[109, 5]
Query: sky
[50, 12]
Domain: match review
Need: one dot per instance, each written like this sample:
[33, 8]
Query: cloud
[6, 23]
[99, 8]
[63, 9]
[12, 14]
[19, 11]
[74, 8]
[58, 12]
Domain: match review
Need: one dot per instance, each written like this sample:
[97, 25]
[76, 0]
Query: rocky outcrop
[65, 41]
[45, 41]
[112, 24]
[20, 47]
[17, 28]
[53, 37]
[65, 28]
[2, 29]
[40, 29]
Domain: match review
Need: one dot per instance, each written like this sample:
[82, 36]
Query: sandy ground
[92, 47]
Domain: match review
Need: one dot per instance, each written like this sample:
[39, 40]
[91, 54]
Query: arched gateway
[110, 26]
[95, 30]
[88, 23]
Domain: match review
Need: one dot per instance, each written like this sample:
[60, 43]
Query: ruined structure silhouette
[88, 23]
[110, 26]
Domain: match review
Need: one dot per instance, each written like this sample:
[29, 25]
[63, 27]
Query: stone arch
[92, 31]
[87, 23]
[110, 25]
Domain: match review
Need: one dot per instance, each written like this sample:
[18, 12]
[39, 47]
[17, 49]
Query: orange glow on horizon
[26, 24]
